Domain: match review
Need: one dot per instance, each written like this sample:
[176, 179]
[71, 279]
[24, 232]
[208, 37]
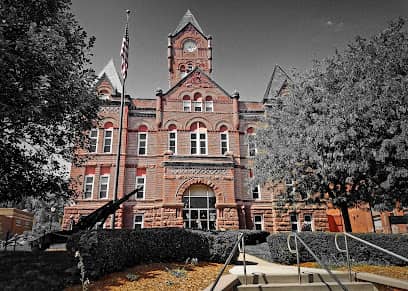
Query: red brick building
[190, 148]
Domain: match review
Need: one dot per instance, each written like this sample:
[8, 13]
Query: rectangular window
[142, 146]
[103, 187]
[140, 181]
[88, 187]
[138, 221]
[198, 106]
[93, 140]
[258, 222]
[107, 140]
[186, 105]
[307, 223]
[251, 145]
[209, 106]
[198, 143]
[256, 194]
[173, 141]
[224, 143]
[294, 222]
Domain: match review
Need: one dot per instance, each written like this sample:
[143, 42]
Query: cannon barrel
[85, 222]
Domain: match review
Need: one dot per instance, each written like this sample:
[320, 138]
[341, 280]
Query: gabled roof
[182, 80]
[109, 72]
[276, 84]
[185, 20]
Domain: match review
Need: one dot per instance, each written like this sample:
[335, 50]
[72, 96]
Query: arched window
[198, 102]
[186, 103]
[183, 71]
[199, 208]
[224, 139]
[251, 142]
[173, 138]
[198, 139]
[142, 140]
[209, 105]
[107, 137]
[189, 67]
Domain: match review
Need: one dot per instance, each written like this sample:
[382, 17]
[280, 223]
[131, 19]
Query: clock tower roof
[185, 20]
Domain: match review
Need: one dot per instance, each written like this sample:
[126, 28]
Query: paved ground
[258, 265]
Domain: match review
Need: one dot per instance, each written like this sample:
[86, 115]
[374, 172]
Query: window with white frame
[256, 193]
[258, 222]
[88, 186]
[307, 222]
[107, 140]
[142, 145]
[103, 186]
[140, 181]
[224, 142]
[209, 105]
[294, 222]
[138, 221]
[198, 140]
[251, 145]
[93, 140]
[173, 141]
[186, 105]
[198, 106]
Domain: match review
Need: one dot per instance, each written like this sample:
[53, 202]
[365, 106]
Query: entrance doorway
[199, 208]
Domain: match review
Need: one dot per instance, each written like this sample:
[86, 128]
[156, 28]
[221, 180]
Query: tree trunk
[346, 217]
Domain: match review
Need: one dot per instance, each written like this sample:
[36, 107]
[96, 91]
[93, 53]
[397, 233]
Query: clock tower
[188, 47]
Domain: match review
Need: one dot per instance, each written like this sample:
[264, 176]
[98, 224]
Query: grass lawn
[159, 276]
[388, 271]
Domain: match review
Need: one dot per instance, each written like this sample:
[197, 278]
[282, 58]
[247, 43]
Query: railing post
[296, 251]
[344, 251]
[243, 249]
[298, 260]
[348, 258]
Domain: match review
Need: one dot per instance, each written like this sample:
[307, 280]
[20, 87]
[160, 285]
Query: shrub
[106, 251]
[323, 246]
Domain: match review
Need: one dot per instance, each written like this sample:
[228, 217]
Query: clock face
[189, 46]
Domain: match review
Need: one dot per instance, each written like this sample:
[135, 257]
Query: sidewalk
[257, 265]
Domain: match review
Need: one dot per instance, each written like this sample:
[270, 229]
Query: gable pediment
[197, 80]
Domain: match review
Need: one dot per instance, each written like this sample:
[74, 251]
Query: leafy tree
[342, 130]
[46, 98]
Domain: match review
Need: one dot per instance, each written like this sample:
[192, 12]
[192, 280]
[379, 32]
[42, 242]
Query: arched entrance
[199, 207]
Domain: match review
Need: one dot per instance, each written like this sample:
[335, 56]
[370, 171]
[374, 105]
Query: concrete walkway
[257, 265]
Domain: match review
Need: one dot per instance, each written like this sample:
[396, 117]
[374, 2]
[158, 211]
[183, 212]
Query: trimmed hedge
[323, 246]
[107, 251]
[251, 237]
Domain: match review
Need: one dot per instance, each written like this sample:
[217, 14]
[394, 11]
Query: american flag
[124, 52]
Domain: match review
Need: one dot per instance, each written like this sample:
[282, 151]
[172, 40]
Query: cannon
[84, 223]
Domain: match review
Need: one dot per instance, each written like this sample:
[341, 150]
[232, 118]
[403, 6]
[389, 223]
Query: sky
[249, 36]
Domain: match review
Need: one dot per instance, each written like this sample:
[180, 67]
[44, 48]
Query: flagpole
[122, 102]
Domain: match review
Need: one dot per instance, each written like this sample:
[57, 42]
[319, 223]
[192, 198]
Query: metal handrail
[364, 242]
[239, 240]
[296, 236]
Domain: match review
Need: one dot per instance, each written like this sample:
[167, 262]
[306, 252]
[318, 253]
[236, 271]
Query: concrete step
[317, 286]
[260, 278]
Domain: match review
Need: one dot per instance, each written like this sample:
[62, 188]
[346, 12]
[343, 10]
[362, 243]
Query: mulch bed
[158, 276]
